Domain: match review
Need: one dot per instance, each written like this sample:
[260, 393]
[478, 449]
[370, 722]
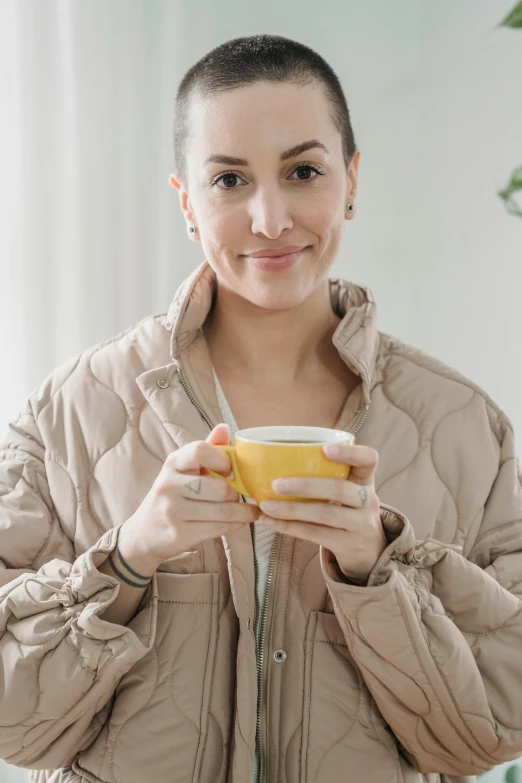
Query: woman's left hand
[349, 525]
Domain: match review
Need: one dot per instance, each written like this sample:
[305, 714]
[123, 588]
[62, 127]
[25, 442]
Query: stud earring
[192, 230]
[350, 207]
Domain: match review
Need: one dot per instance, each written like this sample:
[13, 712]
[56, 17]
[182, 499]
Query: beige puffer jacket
[415, 675]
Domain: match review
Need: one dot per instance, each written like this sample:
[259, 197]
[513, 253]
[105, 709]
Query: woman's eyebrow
[291, 153]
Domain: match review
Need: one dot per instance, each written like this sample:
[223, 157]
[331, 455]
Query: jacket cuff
[86, 583]
[401, 540]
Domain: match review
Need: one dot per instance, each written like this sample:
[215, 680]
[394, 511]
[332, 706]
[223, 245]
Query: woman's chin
[269, 298]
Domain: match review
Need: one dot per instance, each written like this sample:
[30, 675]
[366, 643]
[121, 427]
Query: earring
[350, 207]
[192, 230]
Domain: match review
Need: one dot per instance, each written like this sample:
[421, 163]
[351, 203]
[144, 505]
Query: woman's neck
[272, 346]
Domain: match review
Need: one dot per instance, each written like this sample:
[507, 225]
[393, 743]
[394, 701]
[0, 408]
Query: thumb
[220, 435]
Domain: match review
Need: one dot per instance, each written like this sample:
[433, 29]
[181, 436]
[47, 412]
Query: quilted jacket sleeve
[59, 662]
[438, 636]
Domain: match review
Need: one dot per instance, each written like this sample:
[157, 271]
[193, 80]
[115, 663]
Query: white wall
[91, 238]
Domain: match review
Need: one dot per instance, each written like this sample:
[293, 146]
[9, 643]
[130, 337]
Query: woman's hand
[349, 525]
[185, 506]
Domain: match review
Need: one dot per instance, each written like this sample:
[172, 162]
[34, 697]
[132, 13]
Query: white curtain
[91, 234]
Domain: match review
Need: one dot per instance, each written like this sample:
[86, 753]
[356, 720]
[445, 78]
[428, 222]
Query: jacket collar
[356, 337]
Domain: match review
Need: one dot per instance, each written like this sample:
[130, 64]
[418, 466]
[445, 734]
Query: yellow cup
[262, 454]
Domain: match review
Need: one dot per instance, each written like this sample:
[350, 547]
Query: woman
[148, 630]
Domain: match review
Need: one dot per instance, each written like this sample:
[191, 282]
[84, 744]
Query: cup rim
[323, 434]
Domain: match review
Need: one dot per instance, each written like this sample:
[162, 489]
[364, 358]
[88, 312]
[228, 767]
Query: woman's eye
[227, 176]
[306, 167]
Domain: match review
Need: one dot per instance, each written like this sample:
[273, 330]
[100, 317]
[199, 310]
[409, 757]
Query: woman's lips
[274, 264]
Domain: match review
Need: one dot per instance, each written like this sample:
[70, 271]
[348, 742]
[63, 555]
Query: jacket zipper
[193, 399]
[262, 681]
[361, 421]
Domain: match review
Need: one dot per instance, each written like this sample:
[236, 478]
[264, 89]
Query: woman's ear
[352, 177]
[185, 205]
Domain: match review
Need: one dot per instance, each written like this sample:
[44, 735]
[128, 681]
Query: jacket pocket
[338, 736]
[331, 699]
[159, 720]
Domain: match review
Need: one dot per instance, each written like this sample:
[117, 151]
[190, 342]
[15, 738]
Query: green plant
[514, 20]
[514, 184]
[513, 775]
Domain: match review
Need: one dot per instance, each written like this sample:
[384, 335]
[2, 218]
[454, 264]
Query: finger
[341, 491]
[220, 434]
[204, 488]
[362, 459]
[322, 514]
[363, 496]
[200, 454]
[200, 511]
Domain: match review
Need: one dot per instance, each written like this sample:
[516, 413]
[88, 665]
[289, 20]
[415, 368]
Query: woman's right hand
[184, 507]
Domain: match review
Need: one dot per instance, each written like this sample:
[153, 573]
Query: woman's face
[264, 202]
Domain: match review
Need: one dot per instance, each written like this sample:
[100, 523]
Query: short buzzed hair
[243, 61]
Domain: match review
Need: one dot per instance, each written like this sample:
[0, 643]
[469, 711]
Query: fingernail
[332, 450]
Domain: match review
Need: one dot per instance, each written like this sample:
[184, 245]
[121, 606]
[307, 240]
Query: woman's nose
[270, 215]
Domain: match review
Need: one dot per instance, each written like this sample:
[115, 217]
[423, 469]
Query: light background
[91, 235]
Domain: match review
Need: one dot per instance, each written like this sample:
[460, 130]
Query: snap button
[280, 656]
[162, 383]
